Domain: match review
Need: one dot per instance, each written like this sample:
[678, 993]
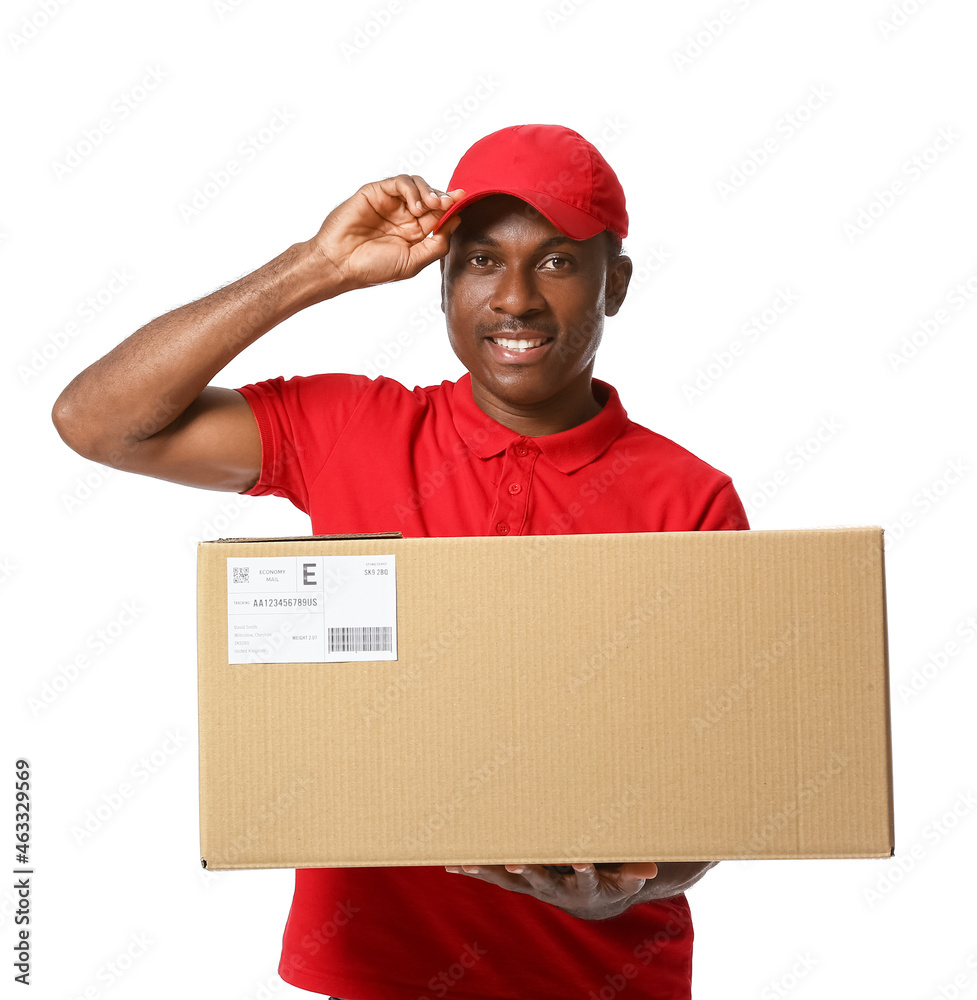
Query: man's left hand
[588, 892]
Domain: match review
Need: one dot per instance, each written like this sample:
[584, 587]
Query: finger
[439, 200]
[496, 874]
[587, 878]
[630, 878]
[404, 188]
[421, 196]
[430, 198]
[639, 869]
[477, 870]
[537, 876]
[447, 201]
[423, 199]
[431, 248]
[449, 198]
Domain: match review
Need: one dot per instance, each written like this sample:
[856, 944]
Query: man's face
[509, 277]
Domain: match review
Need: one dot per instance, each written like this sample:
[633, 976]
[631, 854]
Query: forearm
[152, 377]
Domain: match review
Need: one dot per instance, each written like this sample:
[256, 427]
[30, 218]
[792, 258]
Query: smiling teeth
[516, 345]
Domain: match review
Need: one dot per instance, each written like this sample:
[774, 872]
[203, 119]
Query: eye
[557, 263]
[478, 260]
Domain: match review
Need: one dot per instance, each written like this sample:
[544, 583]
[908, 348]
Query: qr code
[241, 574]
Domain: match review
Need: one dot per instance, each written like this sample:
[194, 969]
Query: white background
[86, 549]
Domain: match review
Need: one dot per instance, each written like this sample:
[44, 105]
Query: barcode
[361, 639]
[241, 574]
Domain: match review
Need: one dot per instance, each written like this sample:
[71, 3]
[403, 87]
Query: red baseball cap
[554, 169]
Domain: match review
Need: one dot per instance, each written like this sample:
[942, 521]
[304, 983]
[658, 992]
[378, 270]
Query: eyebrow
[553, 241]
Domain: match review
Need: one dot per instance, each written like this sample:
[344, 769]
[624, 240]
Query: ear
[616, 285]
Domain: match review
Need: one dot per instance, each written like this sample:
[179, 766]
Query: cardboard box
[545, 699]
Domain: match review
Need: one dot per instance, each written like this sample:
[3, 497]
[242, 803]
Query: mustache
[505, 329]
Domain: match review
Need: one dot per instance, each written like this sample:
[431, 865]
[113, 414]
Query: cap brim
[572, 222]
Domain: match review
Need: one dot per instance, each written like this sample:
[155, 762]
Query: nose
[516, 292]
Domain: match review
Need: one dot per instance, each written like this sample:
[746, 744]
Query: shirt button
[502, 528]
[515, 488]
[522, 450]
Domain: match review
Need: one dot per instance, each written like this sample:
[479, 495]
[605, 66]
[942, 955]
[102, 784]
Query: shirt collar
[567, 450]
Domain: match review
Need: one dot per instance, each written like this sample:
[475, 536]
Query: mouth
[512, 344]
[511, 348]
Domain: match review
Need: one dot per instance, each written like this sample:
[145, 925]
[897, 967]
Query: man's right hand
[381, 233]
[148, 406]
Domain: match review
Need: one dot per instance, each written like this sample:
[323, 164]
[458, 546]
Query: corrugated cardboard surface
[626, 697]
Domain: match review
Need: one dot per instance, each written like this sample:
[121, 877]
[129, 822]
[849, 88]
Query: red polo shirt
[360, 455]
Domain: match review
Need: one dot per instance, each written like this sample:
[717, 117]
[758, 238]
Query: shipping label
[311, 609]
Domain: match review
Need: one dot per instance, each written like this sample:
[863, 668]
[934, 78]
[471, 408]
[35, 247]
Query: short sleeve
[725, 512]
[300, 420]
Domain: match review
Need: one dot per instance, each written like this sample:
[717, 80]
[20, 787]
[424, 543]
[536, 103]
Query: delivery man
[526, 442]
